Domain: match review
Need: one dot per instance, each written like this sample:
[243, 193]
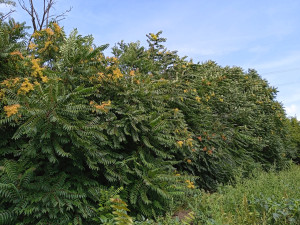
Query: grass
[265, 198]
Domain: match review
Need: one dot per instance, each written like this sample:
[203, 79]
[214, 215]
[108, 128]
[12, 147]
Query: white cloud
[289, 95]
[292, 110]
[5, 8]
[290, 59]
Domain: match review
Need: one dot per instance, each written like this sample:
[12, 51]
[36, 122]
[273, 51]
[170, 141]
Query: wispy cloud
[285, 60]
[5, 7]
[293, 110]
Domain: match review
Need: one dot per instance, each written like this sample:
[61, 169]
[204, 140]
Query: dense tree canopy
[74, 123]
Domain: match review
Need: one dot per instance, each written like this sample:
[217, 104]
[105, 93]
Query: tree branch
[38, 22]
[3, 17]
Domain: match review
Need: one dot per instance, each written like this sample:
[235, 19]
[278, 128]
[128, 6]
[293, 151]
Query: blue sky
[263, 35]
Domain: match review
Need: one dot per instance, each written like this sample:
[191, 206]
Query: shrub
[73, 122]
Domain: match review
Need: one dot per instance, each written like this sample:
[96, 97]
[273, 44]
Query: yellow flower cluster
[114, 59]
[45, 79]
[11, 109]
[180, 143]
[26, 86]
[36, 83]
[132, 73]
[49, 31]
[11, 82]
[189, 142]
[198, 99]
[47, 44]
[190, 184]
[101, 107]
[117, 73]
[36, 34]
[207, 98]
[17, 53]
[57, 28]
[154, 37]
[37, 70]
[32, 46]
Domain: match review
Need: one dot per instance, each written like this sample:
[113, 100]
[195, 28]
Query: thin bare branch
[3, 17]
[39, 21]
[62, 16]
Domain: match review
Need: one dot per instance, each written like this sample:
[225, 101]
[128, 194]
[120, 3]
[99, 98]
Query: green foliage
[111, 131]
[12, 41]
[73, 121]
[266, 198]
[112, 209]
[293, 138]
[232, 117]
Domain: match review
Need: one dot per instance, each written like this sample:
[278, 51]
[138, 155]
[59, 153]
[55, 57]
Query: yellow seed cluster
[132, 73]
[11, 109]
[180, 143]
[189, 142]
[36, 34]
[36, 83]
[47, 44]
[190, 184]
[32, 46]
[45, 79]
[49, 31]
[154, 37]
[17, 53]
[10, 82]
[114, 59]
[117, 73]
[37, 70]
[26, 86]
[57, 28]
[198, 99]
[101, 107]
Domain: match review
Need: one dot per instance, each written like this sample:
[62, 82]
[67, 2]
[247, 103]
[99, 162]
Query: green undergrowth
[265, 198]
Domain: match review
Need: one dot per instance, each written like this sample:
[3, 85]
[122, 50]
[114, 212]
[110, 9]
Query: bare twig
[39, 21]
[3, 17]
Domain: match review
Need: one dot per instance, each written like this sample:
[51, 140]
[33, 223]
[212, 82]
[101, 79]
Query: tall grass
[271, 198]
[266, 198]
